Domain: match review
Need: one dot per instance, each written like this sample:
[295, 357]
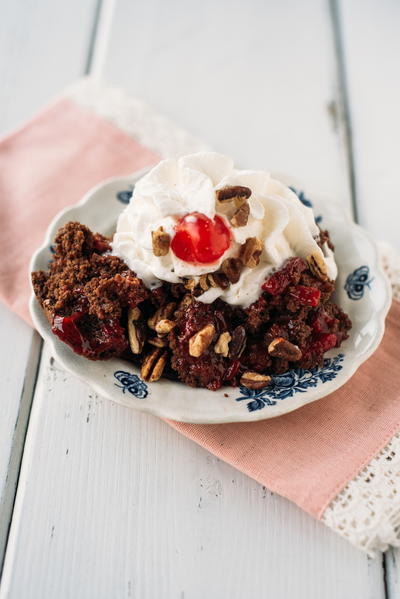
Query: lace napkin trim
[367, 511]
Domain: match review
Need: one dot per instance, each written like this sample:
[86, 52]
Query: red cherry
[307, 296]
[200, 240]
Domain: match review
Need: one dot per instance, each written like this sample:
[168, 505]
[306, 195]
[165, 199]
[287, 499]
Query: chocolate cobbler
[214, 277]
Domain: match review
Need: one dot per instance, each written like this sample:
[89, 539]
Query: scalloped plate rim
[185, 414]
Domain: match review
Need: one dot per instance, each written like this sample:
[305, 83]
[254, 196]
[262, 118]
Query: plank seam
[93, 37]
[344, 102]
[19, 438]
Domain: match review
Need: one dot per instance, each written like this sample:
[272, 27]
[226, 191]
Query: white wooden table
[101, 502]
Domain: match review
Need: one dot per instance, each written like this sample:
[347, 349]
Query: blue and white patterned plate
[362, 291]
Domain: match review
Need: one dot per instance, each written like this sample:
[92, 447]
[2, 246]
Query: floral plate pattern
[362, 291]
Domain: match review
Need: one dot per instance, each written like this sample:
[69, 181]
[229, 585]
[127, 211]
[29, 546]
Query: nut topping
[201, 340]
[153, 365]
[253, 380]
[232, 268]
[241, 216]
[238, 342]
[250, 252]
[222, 345]
[136, 333]
[203, 282]
[317, 266]
[134, 313]
[237, 193]
[160, 241]
[165, 326]
[158, 341]
[218, 279]
[282, 348]
[160, 314]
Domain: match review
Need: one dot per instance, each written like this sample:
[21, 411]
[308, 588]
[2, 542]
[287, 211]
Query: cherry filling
[200, 240]
[92, 339]
[306, 296]
[279, 280]
[66, 329]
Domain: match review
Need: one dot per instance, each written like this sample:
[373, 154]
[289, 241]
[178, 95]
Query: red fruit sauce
[306, 296]
[280, 279]
[200, 240]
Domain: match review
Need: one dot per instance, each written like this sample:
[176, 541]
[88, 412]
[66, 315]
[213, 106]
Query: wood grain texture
[44, 45]
[113, 503]
[257, 81]
[371, 45]
[19, 358]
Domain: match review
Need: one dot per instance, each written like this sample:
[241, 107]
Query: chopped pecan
[136, 331]
[186, 301]
[164, 326]
[158, 341]
[237, 193]
[222, 345]
[218, 279]
[160, 314]
[317, 266]
[160, 241]
[238, 342]
[254, 380]
[241, 216]
[282, 348]
[250, 252]
[153, 365]
[134, 313]
[201, 340]
[204, 283]
[232, 267]
[191, 285]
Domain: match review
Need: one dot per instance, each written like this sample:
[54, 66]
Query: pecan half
[160, 241]
[136, 331]
[222, 345]
[250, 252]
[237, 193]
[153, 365]
[191, 285]
[238, 342]
[164, 326]
[253, 380]
[282, 348]
[232, 267]
[241, 216]
[317, 266]
[201, 340]
[160, 314]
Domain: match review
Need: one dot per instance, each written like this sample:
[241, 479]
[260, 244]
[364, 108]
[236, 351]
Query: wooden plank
[37, 59]
[257, 81]
[113, 503]
[19, 357]
[371, 45]
[44, 45]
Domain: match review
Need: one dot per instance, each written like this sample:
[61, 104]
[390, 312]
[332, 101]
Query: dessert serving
[214, 277]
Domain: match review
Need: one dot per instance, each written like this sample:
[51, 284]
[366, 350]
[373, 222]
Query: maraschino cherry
[200, 240]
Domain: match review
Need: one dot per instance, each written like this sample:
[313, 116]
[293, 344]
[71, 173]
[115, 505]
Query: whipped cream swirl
[175, 188]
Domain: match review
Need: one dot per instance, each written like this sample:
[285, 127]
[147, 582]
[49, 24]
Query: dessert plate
[362, 291]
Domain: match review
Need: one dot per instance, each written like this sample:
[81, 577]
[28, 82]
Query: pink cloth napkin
[309, 455]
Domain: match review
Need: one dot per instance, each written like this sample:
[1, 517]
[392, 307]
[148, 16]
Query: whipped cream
[175, 188]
